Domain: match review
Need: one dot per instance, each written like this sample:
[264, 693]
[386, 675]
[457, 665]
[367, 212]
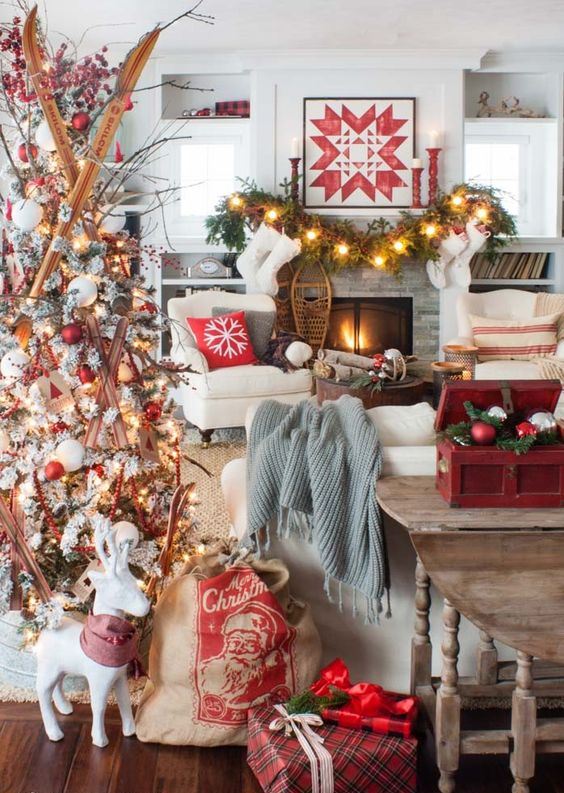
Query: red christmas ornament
[525, 428]
[98, 469]
[150, 308]
[483, 434]
[59, 426]
[153, 411]
[71, 333]
[81, 121]
[86, 374]
[54, 470]
[24, 150]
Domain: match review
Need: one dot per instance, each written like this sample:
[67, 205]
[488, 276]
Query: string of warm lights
[340, 243]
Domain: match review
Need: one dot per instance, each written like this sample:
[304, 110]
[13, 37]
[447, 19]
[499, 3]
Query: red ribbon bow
[369, 705]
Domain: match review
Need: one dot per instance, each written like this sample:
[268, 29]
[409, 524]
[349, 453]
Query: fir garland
[338, 243]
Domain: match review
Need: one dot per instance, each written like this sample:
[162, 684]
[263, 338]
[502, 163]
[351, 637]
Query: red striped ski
[107, 395]
[10, 525]
[130, 73]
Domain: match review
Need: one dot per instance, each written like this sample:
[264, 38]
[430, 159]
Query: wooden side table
[502, 569]
[407, 392]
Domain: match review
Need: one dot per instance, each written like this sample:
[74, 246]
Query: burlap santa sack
[225, 638]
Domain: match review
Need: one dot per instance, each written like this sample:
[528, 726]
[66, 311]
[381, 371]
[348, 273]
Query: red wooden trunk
[484, 476]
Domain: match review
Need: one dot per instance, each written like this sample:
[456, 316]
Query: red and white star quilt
[358, 152]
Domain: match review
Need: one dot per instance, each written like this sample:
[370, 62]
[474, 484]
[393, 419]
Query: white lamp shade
[27, 214]
[70, 454]
[44, 137]
[85, 290]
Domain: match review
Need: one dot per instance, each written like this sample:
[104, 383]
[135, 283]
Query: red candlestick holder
[416, 188]
[294, 178]
[433, 173]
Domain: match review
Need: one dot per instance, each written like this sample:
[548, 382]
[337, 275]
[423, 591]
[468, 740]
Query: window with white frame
[207, 172]
[519, 159]
[203, 168]
[499, 163]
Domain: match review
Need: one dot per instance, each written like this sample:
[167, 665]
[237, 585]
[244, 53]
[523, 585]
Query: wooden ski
[57, 125]
[79, 195]
[106, 395]
[178, 505]
[10, 525]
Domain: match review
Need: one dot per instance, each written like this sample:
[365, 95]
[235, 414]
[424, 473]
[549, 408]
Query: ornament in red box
[238, 107]
[361, 761]
[518, 467]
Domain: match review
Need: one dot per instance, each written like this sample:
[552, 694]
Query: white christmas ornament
[86, 289]
[44, 137]
[125, 531]
[13, 364]
[70, 454]
[4, 441]
[26, 214]
[114, 222]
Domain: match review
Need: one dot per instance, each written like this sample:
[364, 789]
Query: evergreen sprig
[308, 702]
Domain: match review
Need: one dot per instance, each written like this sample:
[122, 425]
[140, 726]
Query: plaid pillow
[509, 339]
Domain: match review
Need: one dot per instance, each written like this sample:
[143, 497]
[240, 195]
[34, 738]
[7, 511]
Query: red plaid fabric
[240, 107]
[363, 762]
[387, 725]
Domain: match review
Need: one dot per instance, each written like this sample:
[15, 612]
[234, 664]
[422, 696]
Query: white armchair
[220, 398]
[500, 304]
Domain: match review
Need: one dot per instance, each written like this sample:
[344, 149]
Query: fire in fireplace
[367, 325]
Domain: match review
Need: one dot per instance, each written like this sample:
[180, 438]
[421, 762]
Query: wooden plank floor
[29, 763]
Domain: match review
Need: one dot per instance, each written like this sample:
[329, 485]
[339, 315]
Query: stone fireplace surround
[370, 282]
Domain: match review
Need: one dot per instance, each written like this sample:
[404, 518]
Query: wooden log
[333, 357]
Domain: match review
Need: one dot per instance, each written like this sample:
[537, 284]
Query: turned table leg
[486, 672]
[448, 702]
[523, 725]
[421, 649]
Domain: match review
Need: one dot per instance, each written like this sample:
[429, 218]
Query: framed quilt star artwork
[358, 153]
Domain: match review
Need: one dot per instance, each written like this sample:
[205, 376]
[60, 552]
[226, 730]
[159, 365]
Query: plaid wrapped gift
[363, 762]
[238, 107]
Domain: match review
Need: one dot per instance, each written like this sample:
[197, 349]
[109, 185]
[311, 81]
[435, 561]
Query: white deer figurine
[60, 651]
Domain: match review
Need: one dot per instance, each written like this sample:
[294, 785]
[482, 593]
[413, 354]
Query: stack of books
[509, 265]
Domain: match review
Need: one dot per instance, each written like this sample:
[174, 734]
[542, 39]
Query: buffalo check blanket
[363, 762]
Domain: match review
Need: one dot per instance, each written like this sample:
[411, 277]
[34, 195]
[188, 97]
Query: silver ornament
[392, 353]
[497, 412]
[543, 421]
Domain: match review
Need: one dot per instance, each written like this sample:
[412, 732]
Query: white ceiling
[312, 24]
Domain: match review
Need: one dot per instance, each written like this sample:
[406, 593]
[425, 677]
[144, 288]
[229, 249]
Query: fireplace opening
[367, 325]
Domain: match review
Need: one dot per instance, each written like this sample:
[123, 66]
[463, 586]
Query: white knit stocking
[477, 236]
[284, 251]
[449, 248]
[249, 262]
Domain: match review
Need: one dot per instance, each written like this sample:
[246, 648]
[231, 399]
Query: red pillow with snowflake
[224, 340]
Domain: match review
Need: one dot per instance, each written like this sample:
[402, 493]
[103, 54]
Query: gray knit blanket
[312, 471]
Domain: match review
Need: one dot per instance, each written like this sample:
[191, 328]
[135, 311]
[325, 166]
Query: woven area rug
[212, 524]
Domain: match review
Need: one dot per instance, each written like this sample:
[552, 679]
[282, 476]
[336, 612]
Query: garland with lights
[87, 427]
[337, 243]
